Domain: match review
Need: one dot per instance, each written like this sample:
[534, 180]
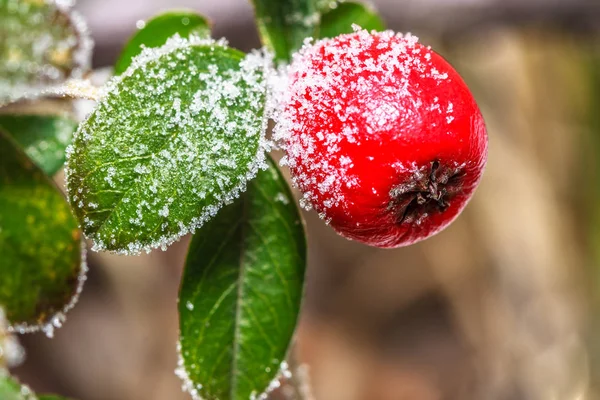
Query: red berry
[382, 136]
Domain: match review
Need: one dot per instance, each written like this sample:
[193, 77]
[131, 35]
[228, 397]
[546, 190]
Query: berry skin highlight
[382, 136]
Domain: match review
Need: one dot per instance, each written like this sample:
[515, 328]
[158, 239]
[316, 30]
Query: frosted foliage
[187, 385]
[284, 374]
[11, 352]
[173, 139]
[193, 389]
[343, 109]
[42, 43]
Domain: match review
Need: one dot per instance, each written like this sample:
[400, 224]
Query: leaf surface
[241, 292]
[157, 30]
[339, 20]
[43, 137]
[176, 137]
[10, 389]
[284, 24]
[42, 263]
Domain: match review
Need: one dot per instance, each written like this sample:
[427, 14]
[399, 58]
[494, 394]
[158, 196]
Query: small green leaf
[41, 44]
[41, 258]
[10, 389]
[177, 136]
[284, 24]
[241, 292]
[43, 137]
[157, 30]
[339, 20]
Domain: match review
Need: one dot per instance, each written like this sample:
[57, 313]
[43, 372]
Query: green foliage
[39, 241]
[175, 138]
[241, 292]
[10, 389]
[284, 24]
[339, 20]
[157, 30]
[41, 44]
[43, 137]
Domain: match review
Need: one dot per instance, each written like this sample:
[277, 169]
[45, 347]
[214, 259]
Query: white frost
[11, 352]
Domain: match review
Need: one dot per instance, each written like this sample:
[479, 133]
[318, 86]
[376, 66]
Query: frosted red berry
[382, 136]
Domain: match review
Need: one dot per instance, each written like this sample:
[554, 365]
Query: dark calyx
[425, 193]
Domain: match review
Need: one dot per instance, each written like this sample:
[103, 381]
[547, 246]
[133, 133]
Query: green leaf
[241, 292]
[175, 138]
[339, 20]
[284, 24]
[10, 389]
[42, 261]
[41, 44]
[43, 137]
[157, 30]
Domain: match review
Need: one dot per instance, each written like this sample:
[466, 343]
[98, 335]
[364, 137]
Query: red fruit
[382, 136]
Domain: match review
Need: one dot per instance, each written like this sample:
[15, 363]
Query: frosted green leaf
[43, 137]
[157, 30]
[42, 262]
[340, 19]
[42, 43]
[241, 292]
[285, 24]
[173, 139]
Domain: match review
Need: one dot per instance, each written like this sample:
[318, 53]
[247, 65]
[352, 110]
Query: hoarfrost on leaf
[172, 140]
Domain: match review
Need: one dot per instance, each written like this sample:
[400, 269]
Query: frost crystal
[11, 352]
[187, 385]
[282, 198]
[57, 320]
[283, 376]
[333, 94]
[172, 140]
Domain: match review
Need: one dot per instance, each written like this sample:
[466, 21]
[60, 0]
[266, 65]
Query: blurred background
[503, 305]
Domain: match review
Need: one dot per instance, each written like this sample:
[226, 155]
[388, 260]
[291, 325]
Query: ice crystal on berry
[320, 74]
[357, 114]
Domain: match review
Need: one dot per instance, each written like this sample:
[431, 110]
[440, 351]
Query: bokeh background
[503, 305]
